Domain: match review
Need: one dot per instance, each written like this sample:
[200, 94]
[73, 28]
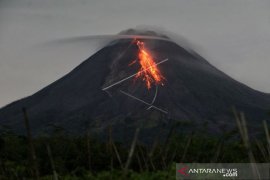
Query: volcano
[103, 92]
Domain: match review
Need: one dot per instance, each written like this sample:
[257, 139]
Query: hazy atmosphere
[233, 35]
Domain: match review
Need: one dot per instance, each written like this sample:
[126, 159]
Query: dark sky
[234, 35]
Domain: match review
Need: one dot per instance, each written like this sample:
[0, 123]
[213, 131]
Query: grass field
[61, 156]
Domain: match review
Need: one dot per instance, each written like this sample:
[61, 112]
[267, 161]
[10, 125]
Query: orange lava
[149, 71]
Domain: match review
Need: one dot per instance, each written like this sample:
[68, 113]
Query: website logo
[223, 171]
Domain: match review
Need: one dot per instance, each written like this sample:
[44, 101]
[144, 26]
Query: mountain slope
[193, 91]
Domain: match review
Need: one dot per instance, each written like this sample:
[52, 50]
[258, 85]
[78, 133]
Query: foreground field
[60, 156]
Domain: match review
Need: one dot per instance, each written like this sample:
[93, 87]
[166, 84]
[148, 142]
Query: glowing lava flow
[149, 71]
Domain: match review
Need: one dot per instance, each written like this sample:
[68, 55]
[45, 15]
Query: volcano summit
[111, 88]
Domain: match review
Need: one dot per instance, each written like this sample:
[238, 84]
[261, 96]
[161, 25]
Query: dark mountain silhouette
[194, 92]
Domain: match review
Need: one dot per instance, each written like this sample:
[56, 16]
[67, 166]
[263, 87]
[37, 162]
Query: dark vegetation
[60, 156]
